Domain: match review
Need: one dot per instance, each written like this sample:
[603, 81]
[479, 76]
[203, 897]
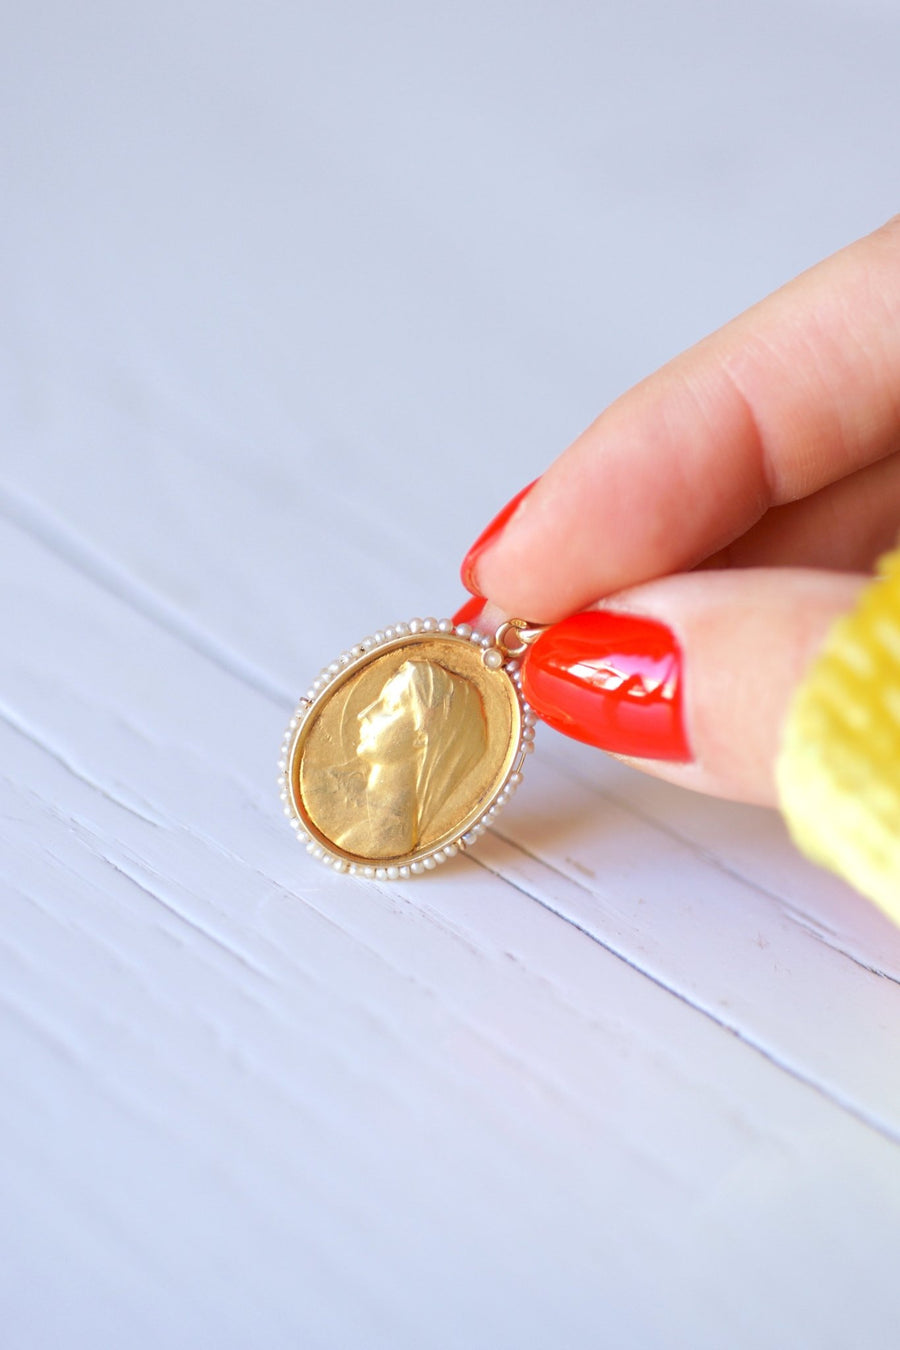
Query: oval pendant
[405, 748]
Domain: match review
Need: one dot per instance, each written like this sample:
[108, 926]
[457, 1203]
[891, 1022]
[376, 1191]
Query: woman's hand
[715, 519]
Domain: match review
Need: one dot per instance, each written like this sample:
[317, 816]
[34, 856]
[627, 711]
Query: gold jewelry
[406, 747]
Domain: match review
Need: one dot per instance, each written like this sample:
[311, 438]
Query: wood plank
[292, 298]
[418, 1099]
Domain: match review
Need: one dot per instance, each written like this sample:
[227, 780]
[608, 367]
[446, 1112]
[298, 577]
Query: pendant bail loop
[514, 636]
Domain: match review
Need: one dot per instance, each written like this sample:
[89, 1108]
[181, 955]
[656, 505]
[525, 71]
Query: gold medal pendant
[405, 748]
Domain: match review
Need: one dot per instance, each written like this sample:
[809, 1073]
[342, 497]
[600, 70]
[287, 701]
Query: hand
[714, 521]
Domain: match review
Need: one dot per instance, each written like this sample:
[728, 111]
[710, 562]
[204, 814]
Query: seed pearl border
[494, 658]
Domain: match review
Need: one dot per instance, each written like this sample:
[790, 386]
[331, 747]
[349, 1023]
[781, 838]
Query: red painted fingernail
[486, 538]
[613, 680]
[470, 611]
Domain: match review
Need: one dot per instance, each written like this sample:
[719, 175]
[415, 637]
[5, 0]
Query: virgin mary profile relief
[400, 759]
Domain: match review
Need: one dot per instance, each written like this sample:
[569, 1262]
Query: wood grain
[293, 298]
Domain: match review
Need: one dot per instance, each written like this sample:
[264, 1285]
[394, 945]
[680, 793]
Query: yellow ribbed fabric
[838, 772]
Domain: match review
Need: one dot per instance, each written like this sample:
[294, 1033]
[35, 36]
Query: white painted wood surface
[293, 296]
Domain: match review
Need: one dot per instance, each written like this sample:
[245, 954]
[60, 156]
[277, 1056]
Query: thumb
[689, 677]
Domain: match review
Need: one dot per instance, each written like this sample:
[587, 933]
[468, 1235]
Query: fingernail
[488, 537]
[613, 680]
[470, 611]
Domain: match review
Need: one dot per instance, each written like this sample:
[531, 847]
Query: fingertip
[470, 610]
[471, 563]
[690, 677]
[613, 680]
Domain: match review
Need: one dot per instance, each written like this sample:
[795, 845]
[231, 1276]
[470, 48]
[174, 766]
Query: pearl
[369, 872]
[528, 734]
[450, 850]
[470, 837]
[514, 780]
[401, 628]
[440, 856]
[429, 625]
[404, 873]
[429, 864]
[380, 874]
[415, 625]
[445, 626]
[417, 868]
[493, 659]
[464, 629]
[389, 632]
[502, 799]
[333, 668]
[339, 865]
[367, 644]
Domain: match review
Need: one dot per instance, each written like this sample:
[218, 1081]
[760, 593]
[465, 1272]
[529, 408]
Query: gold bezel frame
[496, 657]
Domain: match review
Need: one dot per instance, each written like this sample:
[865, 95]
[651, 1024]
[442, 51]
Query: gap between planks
[67, 545]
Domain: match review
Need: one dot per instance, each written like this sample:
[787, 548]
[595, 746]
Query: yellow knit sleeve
[838, 772]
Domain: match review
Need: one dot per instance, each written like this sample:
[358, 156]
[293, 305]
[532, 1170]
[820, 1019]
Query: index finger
[797, 392]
